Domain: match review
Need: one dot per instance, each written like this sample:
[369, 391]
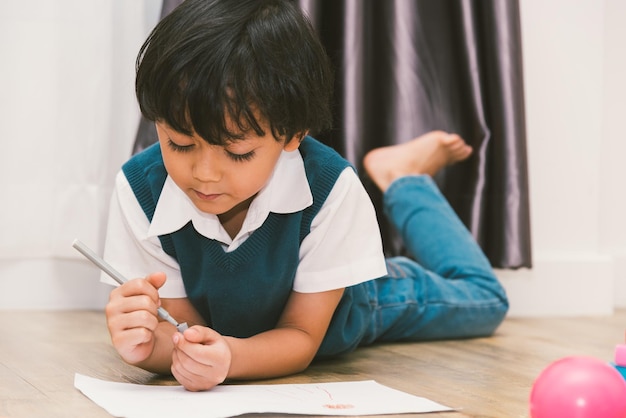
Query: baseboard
[562, 285]
[569, 285]
[619, 272]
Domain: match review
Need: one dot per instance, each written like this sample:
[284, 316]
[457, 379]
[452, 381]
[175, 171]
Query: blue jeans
[449, 289]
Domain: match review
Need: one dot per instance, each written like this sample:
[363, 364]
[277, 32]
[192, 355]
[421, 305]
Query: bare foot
[426, 154]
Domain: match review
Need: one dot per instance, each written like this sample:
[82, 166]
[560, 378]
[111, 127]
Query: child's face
[220, 179]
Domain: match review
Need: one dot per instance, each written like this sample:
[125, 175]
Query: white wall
[68, 117]
[67, 94]
[574, 73]
[613, 150]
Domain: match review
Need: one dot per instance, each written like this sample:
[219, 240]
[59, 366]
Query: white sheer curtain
[68, 120]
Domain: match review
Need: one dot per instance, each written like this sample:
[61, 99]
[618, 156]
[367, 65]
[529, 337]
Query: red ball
[578, 387]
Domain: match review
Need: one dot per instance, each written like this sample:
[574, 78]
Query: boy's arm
[204, 358]
[292, 345]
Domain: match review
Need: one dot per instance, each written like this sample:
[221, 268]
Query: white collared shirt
[343, 248]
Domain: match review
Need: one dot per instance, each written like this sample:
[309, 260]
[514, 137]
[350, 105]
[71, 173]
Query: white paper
[343, 398]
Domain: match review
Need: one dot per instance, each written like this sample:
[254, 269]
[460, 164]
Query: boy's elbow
[297, 365]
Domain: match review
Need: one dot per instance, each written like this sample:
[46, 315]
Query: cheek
[254, 177]
[175, 167]
[250, 180]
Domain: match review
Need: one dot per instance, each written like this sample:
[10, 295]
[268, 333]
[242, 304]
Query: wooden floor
[487, 377]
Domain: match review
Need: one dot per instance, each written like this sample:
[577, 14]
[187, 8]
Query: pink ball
[578, 387]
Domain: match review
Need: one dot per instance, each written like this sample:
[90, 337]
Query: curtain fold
[406, 67]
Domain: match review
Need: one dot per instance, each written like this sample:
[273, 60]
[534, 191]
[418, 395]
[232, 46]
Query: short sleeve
[344, 246]
[129, 249]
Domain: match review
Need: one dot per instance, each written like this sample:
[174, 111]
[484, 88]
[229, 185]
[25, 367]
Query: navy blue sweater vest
[243, 292]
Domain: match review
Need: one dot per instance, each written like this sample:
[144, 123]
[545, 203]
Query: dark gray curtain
[405, 67]
[146, 133]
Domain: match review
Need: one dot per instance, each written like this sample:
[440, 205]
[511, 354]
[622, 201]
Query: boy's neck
[232, 221]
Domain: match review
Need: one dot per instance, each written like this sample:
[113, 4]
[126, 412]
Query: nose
[206, 167]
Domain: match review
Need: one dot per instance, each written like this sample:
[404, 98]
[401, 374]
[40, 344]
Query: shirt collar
[287, 191]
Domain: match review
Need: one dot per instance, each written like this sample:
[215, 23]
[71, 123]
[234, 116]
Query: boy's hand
[201, 358]
[132, 317]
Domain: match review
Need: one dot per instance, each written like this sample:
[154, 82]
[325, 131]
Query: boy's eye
[240, 157]
[178, 148]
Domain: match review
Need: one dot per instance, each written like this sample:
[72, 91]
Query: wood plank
[486, 377]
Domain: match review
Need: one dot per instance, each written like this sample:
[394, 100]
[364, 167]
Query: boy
[264, 240]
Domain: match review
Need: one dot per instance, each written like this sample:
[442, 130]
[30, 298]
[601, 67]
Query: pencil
[117, 276]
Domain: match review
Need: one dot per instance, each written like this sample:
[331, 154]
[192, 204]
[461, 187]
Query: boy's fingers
[194, 342]
[156, 279]
[201, 335]
[201, 358]
[133, 337]
[133, 303]
[138, 287]
[188, 352]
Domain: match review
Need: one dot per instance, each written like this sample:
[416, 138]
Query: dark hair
[244, 60]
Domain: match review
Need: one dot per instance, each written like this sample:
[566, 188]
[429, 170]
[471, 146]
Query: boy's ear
[295, 141]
